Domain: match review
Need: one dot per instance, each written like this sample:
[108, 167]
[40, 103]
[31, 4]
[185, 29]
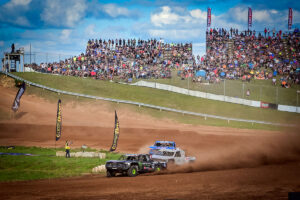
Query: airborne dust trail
[269, 150]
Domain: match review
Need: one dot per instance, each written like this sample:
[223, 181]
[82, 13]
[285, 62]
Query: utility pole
[30, 53]
[298, 91]
[224, 87]
[189, 83]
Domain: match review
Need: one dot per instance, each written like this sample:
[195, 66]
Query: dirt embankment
[231, 163]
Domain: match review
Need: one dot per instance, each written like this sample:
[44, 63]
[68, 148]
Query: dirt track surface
[231, 163]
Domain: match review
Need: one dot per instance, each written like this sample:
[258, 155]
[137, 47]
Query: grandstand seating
[229, 54]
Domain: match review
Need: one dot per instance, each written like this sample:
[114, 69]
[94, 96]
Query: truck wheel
[132, 171]
[110, 173]
[157, 169]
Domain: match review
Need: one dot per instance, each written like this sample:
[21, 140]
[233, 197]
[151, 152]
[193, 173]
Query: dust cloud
[277, 149]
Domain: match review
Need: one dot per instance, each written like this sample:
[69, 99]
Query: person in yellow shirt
[67, 147]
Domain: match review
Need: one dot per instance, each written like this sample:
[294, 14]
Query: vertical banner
[58, 121]
[249, 18]
[290, 20]
[116, 133]
[208, 17]
[16, 103]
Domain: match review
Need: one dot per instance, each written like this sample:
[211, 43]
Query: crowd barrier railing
[210, 96]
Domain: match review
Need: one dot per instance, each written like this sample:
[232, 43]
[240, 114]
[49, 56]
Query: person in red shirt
[265, 32]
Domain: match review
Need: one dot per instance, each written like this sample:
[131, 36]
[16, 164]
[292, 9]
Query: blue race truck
[161, 145]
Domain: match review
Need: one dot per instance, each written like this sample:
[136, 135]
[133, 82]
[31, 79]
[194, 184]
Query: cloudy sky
[62, 28]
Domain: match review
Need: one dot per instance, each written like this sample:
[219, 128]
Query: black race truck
[133, 164]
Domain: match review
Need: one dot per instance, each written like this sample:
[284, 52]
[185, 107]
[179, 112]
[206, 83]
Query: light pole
[188, 83]
[298, 92]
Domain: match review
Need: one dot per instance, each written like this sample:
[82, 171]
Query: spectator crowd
[230, 54]
[124, 59]
[248, 55]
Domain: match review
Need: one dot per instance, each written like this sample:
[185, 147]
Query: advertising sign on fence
[268, 105]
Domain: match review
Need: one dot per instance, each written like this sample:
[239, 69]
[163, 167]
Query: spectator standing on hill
[67, 147]
[13, 48]
[248, 92]
[274, 81]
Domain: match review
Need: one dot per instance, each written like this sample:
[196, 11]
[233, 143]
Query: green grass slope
[46, 164]
[156, 97]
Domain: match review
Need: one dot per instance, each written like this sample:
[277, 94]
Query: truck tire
[132, 171]
[110, 173]
[157, 169]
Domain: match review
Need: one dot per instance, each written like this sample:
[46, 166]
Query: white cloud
[65, 34]
[167, 17]
[63, 13]
[237, 17]
[177, 24]
[262, 15]
[175, 34]
[14, 3]
[13, 12]
[199, 14]
[274, 11]
[199, 48]
[90, 30]
[237, 14]
[114, 11]
[22, 21]
[296, 17]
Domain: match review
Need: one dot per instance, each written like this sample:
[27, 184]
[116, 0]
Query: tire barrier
[82, 154]
[99, 169]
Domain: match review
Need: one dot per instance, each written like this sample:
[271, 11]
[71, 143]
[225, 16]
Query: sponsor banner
[268, 105]
[249, 18]
[58, 121]
[290, 19]
[116, 133]
[208, 17]
[16, 103]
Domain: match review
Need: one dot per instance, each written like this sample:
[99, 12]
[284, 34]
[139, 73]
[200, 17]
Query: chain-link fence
[44, 57]
[258, 90]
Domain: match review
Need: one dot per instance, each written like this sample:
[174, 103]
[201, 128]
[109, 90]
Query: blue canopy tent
[201, 73]
[222, 74]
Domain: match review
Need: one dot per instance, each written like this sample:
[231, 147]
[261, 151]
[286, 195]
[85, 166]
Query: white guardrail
[216, 97]
[146, 105]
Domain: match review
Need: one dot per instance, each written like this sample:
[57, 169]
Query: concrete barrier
[99, 169]
[72, 154]
[78, 154]
[102, 155]
[82, 154]
[60, 153]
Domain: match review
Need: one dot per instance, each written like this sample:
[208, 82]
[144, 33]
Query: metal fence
[44, 57]
[146, 105]
[259, 90]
